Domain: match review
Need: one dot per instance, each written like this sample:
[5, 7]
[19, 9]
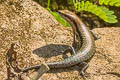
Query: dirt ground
[38, 37]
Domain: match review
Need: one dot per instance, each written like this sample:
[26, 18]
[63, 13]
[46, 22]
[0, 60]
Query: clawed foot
[96, 37]
[84, 66]
[83, 75]
[68, 50]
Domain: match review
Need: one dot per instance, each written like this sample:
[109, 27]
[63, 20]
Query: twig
[36, 75]
[10, 58]
[96, 2]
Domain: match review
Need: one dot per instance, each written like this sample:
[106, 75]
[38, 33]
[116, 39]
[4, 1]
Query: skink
[80, 56]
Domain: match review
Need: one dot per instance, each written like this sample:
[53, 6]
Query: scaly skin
[84, 54]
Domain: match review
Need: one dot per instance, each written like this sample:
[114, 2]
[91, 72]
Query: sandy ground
[38, 37]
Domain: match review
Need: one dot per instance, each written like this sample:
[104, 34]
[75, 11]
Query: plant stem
[48, 4]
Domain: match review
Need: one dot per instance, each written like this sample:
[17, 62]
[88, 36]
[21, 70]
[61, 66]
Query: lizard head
[67, 14]
[69, 17]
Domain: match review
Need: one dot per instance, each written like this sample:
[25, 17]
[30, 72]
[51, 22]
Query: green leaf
[86, 5]
[110, 2]
[113, 2]
[82, 5]
[95, 9]
[106, 2]
[117, 4]
[112, 20]
[98, 12]
[91, 7]
[75, 2]
[61, 20]
[101, 2]
[79, 7]
[101, 11]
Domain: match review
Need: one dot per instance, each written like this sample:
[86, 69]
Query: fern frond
[102, 12]
[110, 2]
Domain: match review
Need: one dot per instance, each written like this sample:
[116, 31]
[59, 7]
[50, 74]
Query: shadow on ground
[50, 50]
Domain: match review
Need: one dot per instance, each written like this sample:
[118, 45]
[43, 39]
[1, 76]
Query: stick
[36, 75]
